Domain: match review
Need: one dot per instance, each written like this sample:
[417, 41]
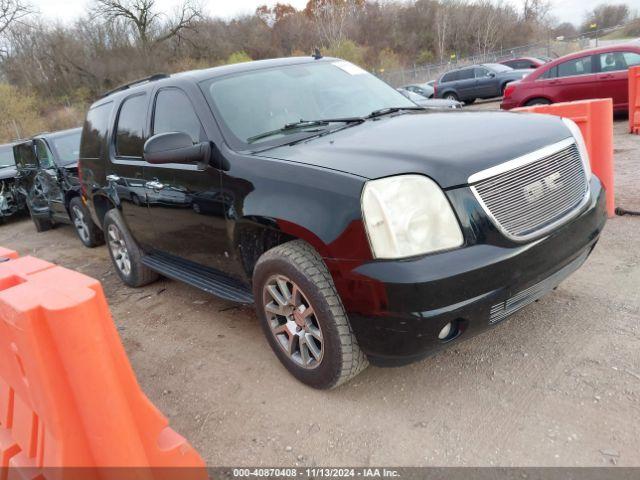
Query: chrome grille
[527, 198]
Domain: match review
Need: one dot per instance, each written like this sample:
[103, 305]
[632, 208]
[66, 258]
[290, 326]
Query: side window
[130, 130]
[466, 74]
[94, 131]
[450, 77]
[44, 156]
[578, 66]
[551, 73]
[631, 58]
[174, 113]
[481, 72]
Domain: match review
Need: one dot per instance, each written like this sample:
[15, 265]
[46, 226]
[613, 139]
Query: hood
[438, 103]
[517, 73]
[8, 172]
[449, 146]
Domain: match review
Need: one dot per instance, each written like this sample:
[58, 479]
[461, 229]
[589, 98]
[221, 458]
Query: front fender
[318, 205]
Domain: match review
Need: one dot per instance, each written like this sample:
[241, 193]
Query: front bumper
[475, 287]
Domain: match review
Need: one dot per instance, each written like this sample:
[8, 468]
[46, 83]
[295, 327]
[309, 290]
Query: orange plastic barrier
[595, 119]
[634, 100]
[68, 395]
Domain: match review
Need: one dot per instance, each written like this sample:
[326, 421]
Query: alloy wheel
[293, 321]
[119, 250]
[80, 223]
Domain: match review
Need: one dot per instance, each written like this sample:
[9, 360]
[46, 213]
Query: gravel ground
[556, 384]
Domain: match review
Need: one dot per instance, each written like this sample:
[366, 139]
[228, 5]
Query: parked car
[432, 103]
[525, 62]
[478, 81]
[423, 89]
[11, 201]
[597, 73]
[48, 167]
[360, 225]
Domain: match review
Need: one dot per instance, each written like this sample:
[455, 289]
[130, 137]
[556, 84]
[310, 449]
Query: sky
[67, 10]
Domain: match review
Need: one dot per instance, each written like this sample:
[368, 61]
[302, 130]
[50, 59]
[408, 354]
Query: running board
[204, 278]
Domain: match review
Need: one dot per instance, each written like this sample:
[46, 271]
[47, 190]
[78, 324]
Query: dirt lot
[557, 384]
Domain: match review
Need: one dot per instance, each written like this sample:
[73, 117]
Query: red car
[524, 62]
[597, 73]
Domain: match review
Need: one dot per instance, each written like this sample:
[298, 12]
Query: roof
[594, 51]
[214, 72]
[59, 133]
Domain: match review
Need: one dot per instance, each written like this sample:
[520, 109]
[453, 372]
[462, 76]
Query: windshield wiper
[388, 110]
[304, 124]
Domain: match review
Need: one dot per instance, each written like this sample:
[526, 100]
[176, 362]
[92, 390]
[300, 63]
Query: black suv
[359, 225]
[11, 200]
[477, 81]
[48, 179]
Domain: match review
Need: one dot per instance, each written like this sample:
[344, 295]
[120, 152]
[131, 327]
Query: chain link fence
[551, 48]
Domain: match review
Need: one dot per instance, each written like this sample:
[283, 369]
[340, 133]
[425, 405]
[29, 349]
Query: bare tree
[330, 18]
[11, 12]
[149, 25]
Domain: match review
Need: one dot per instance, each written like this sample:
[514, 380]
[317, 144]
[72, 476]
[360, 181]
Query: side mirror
[175, 147]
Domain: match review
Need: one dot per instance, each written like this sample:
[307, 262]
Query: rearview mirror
[175, 147]
[492, 75]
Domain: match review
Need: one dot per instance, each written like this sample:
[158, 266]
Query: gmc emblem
[535, 190]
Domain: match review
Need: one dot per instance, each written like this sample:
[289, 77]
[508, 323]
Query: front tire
[88, 232]
[125, 253]
[303, 317]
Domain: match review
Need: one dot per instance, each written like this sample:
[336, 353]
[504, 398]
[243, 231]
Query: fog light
[446, 331]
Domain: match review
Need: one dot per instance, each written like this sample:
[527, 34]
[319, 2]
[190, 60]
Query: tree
[12, 12]
[606, 15]
[330, 18]
[148, 24]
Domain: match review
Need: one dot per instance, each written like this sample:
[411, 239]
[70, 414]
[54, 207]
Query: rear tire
[88, 232]
[125, 253]
[451, 96]
[538, 101]
[303, 317]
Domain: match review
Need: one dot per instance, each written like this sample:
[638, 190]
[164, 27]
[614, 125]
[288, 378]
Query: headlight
[582, 147]
[408, 215]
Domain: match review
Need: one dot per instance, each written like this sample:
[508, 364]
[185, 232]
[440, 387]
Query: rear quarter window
[94, 131]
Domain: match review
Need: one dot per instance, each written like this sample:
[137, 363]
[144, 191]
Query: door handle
[154, 184]
[113, 178]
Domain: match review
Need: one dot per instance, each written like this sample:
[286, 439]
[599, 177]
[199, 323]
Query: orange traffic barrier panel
[634, 100]
[595, 119]
[68, 395]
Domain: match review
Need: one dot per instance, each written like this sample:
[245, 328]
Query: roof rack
[152, 78]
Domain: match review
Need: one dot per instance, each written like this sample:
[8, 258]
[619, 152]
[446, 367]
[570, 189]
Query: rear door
[575, 79]
[613, 76]
[466, 84]
[125, 173]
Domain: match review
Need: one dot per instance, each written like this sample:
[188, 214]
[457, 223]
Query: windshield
[66, 147]
[497, 67]
[259, 101]
[6, 156]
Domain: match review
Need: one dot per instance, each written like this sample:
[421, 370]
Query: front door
[186, 201]
[47, 181]
[613, 76]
